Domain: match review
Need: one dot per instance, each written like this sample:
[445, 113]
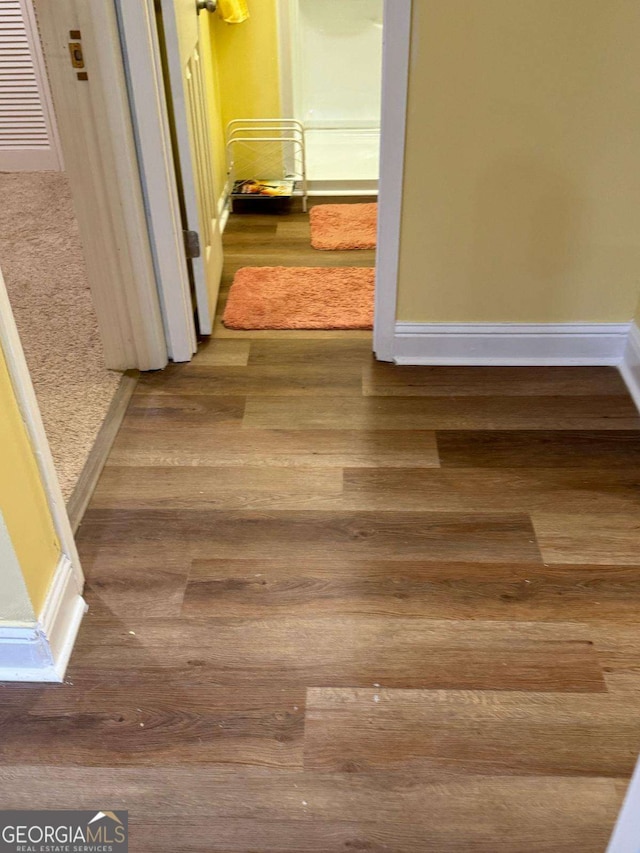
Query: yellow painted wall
[247, 60]
[522, 184]
[22, 499]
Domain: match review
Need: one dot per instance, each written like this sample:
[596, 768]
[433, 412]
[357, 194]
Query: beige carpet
[42, 263]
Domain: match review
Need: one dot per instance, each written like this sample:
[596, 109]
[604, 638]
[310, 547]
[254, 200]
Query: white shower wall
[335, 89]
[340, 62]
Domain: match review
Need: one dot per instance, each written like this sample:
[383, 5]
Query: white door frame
[396, 49]
[194, 153]
[153, 139]
[97, 139]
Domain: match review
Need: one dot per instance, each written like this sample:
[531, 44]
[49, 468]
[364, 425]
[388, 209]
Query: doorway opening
[210, 89]
[216, 73]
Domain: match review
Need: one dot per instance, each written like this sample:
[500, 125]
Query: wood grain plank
[588, 538]
[239, 227]
[440, 413]
[262, 379]
[214, 445]
[244, 487]
[151, 721]
[618, 649]
[322, 355]
[503, 489]
[482, 537]
[258, 810]
[153, 411]
[125, 595]
[350, 730]
[391, 588]
[268, 254]
[585, 449]
[127, 580]
[213, 353]
[435, 490]
[238, 836]
[352, 651]
[382, 379]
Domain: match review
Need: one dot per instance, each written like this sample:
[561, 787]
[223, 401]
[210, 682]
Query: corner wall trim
[40, 651]
[30, 411]
[396, 49]
[630, 365]
[516, 344]
[627, 830]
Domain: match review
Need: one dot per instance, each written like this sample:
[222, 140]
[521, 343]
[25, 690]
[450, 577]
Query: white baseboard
[342, 188]
[40, 651]
[627, 830]
[517, 344]
[630, 365]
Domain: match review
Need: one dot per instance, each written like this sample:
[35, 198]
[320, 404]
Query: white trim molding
[396, 48]
[39, 651]
[148, 99]
[27, 403]
[630, 365]
[626, 835]
[518, 344]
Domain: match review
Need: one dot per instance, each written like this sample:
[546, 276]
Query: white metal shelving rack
[267, 150]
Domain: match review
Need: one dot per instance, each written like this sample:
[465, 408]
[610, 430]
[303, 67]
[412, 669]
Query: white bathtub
[331, 67]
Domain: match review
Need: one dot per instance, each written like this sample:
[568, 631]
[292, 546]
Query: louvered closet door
[28, 138]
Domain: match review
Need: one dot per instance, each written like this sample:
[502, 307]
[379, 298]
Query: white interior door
[191, 115]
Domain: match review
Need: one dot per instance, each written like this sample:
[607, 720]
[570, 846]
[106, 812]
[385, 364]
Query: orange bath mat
[301, 298]
[343, 226]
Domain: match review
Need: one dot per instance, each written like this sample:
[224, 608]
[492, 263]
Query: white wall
[339, 62]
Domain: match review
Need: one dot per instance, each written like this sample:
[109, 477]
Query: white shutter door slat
[26, 122]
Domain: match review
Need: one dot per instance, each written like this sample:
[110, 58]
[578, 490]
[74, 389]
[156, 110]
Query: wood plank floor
[337, 605]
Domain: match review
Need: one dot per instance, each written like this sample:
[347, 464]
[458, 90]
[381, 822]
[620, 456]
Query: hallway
[338, 605]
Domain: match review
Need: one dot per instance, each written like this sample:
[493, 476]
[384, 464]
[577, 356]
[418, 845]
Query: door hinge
[192, 244]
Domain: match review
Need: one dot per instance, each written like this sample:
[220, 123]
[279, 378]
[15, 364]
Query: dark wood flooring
[338, 605]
